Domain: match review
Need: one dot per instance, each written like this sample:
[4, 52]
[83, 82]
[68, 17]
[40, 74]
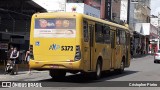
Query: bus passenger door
[88, 45]
[113, 49]
[91, 33]
[127, 62]
[118, 50]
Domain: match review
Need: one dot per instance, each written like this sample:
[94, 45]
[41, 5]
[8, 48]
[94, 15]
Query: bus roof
[71, 14]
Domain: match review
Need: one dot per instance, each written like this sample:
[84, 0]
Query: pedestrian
[14, 56]
[27, 58]
[8, 60]
[9, 53]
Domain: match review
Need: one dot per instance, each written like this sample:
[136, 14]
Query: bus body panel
[54, 47]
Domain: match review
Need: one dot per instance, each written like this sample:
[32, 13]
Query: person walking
[14, 56]
[8, 60]
[9, 53]
[27, 58]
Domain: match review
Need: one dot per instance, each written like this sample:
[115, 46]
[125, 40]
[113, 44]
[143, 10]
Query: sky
[155, 7]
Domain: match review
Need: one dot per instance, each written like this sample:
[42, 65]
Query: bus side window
[128, 38]
[118, 36]
[99, 33]
[85, 31]
[106, 32]
[124, 34]
[122, 37]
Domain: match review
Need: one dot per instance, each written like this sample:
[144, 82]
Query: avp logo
[54, 47]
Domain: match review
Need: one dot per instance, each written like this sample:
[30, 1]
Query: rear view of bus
[55, 43]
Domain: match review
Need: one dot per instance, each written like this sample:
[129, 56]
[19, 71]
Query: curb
[140, 56]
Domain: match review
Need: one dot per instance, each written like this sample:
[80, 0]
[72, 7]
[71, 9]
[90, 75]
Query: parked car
[157, 57]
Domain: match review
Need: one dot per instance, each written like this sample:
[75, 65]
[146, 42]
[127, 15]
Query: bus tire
[57, 74]
[121, 69]
[98, 72]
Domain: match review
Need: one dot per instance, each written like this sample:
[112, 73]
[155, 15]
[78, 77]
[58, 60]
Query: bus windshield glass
[55, 28]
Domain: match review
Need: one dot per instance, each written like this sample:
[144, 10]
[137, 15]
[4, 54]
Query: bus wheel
[98, 72]
[57, 74]
[121, 69]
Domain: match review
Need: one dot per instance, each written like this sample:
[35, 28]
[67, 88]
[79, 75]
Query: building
[15, 21]
[109, 9]
[124, 15]
[148, 41]
[139, 13]
[116, 9]
[155, 21]
[97, 4]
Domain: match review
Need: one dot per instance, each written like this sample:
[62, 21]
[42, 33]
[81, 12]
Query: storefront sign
[108, 10]
[3, 46]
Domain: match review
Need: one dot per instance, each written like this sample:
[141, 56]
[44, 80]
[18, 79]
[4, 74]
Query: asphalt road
[141, 69]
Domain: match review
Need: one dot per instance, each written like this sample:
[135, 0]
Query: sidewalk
[140, 56]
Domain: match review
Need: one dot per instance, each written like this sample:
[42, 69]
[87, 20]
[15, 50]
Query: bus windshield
[55, 28]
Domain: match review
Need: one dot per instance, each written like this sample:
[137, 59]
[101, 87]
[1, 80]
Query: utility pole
[128, 12]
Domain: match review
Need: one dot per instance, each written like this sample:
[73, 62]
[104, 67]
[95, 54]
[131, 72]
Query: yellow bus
[72, 42]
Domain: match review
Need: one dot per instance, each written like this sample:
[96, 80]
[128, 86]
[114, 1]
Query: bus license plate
[55, 66]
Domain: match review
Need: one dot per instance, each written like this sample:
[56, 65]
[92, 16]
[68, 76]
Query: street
[141, 69]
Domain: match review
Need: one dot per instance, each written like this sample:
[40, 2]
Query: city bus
[64, 42]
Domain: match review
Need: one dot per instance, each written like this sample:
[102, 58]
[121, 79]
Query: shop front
[147, 38]
[8, 40]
